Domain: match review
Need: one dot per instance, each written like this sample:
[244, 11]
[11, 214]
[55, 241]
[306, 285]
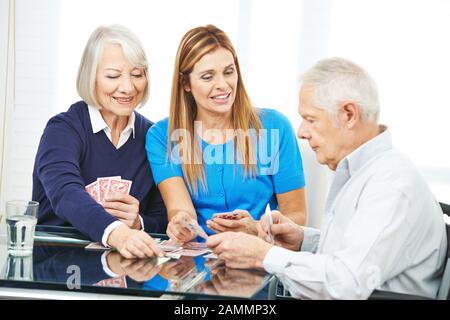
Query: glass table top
[61, 262]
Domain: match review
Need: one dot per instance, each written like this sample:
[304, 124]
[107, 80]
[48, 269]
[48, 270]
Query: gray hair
[337, 80]
[110, 34]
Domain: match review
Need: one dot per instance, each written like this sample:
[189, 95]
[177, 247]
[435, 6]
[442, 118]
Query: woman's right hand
[177, 230]
[133, 243]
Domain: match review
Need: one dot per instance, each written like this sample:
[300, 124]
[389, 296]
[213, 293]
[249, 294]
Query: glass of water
[19, 268]
[20, 224]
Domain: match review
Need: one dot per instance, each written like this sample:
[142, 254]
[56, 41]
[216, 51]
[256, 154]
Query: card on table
[189, 252]
[195, 245]
[193, 253]
[169, 245]
[96, 246]
[211, 256]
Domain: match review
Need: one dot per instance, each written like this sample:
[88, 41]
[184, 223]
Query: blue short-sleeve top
[279, 169]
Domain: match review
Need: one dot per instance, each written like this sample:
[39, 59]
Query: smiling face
[119, 86]
[213, 83]
[326, 137]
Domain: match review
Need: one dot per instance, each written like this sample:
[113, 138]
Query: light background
[402, 43]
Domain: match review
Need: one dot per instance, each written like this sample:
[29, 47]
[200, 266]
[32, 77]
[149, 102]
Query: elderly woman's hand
[133, 243]
[124, 207]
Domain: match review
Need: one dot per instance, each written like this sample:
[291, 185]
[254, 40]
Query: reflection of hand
[286, 233]
[177, 269]
[139, 270]
[232, 282]
[176, 229]
[133, 243]
[113, 259]
[245, 224]
[124, 207]
[228, 246]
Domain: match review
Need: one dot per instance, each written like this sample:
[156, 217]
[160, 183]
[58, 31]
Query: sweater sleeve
[58, 168]
[155, 214]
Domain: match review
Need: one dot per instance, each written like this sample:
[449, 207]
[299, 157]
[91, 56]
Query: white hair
[337, 80]
[108, 34]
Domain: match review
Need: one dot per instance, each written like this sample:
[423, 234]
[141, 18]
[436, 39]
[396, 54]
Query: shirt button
[221, 194]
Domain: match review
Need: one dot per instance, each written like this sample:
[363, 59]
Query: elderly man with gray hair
[382, 227]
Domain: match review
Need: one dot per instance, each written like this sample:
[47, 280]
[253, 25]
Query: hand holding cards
[105, 186]
[193, 226]
[269, 222]
[233, 215]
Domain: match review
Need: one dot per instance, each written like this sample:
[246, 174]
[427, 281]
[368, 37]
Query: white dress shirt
[382, 229]
[98, 124]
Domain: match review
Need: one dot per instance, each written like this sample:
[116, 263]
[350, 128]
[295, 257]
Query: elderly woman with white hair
[103, 136]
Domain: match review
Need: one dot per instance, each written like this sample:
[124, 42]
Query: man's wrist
[265, 248]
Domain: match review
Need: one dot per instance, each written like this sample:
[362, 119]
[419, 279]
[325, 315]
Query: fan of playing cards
[105, 186]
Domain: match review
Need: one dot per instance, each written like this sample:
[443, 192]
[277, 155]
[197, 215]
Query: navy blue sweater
[70, 156]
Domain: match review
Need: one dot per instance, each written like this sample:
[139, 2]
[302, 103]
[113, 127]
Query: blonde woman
[217, 153]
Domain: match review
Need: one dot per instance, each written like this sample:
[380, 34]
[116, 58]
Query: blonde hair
[109, 34]
[195, 44]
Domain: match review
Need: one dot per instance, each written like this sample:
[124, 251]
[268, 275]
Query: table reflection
[56, 264]
[231, 282]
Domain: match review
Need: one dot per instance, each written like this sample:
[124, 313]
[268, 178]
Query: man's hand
[286, 233]
[124, 207]
[232, 282]
[133, 243]
[176, 229]
[244, 224]
[239, 250]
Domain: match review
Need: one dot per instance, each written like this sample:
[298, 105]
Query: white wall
[6, 87]
[32, 90]
[402, 43]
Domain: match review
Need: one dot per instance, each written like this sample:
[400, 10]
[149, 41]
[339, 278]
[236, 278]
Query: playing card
[229, 215]
[211, 256]
[195, 245]
[120, 282]
[169, 245]
[96, 246]
[269, 223]
[103, 184]
[194, 227]
[93, 190]
[118, 186]
[190, 253]
[174, 254]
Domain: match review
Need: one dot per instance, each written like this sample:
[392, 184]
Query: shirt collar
[359, 157]
[98, 124]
